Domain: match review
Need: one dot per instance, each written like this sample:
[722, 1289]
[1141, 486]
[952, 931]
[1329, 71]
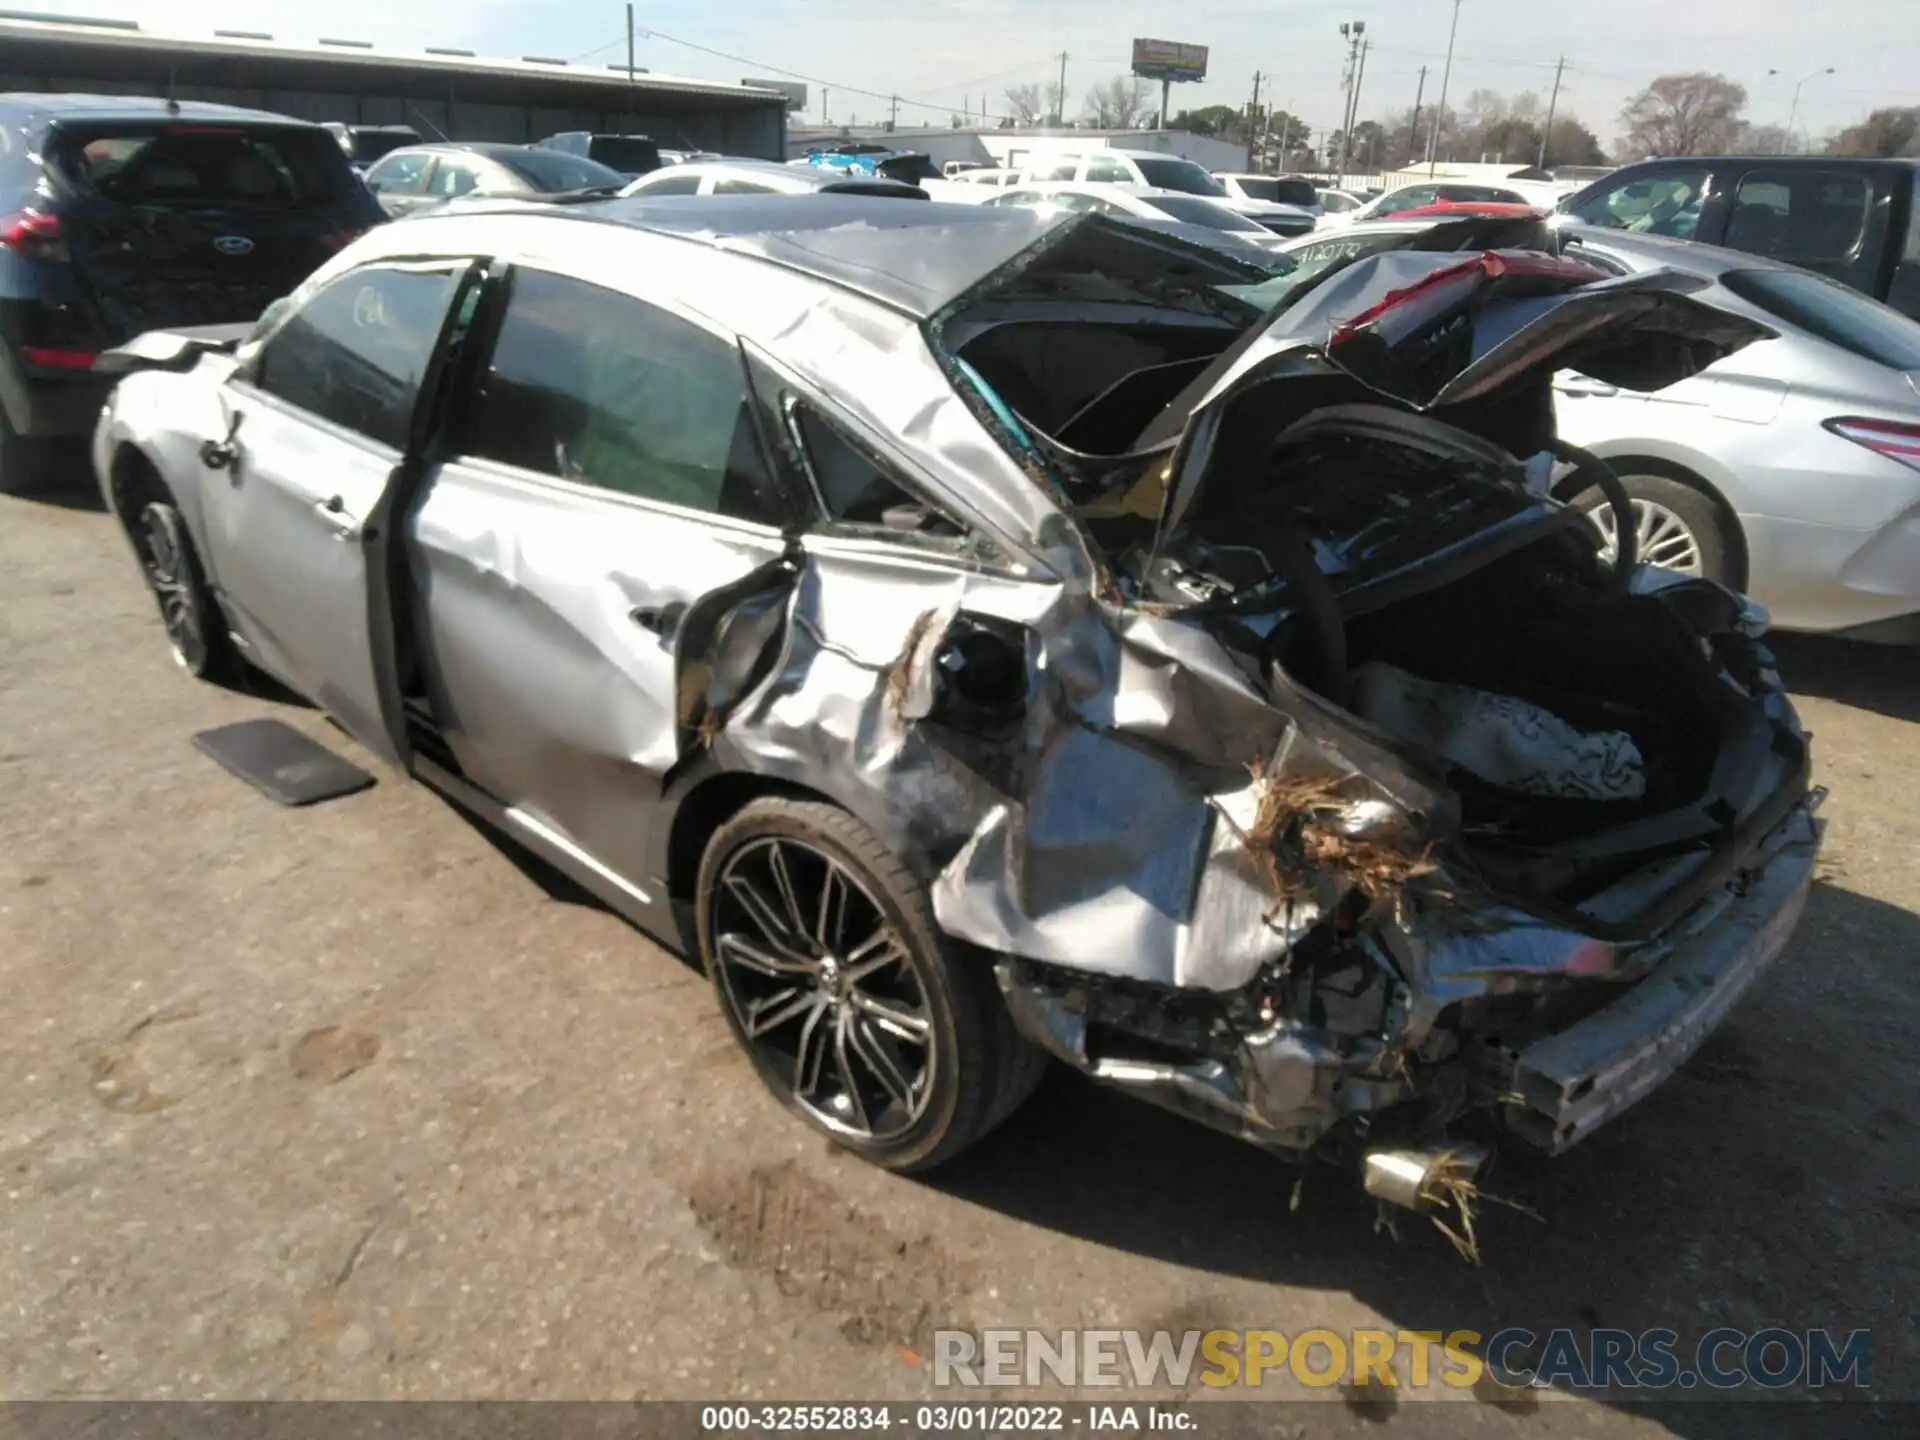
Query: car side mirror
[376, 186]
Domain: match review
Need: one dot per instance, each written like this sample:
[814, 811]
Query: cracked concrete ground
[353, 1102]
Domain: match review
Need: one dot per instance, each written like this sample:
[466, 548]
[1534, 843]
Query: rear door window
[672, 185]
[452, 178]
[1805, 216]
[741, 187]
[355, 351]
[593, 386]
[193, 164]
[400, 174]
[1109, 171]
[1412, 198]
[1839, 315]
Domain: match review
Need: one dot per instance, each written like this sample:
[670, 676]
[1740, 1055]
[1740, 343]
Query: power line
[887, 96]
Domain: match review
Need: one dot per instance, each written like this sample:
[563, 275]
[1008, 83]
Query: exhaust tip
[1421, 1179]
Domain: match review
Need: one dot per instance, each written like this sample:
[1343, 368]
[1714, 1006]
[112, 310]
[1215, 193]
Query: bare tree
[1766, 140]
[1056, 93]
[1024, 102]
[1892, 131]
[1118, 104]
[1694, 114]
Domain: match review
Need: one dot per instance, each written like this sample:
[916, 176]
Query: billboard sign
[1169, 60]
[794, 90]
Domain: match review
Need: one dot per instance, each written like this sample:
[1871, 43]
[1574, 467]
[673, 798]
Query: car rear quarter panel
[163, 416]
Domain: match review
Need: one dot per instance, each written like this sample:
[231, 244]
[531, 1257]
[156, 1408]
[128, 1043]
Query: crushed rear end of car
[1383, 815]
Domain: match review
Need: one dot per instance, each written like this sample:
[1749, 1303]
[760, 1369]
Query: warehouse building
[441, 92]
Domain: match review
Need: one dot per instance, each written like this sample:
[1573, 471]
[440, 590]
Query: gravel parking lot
[355, 1102]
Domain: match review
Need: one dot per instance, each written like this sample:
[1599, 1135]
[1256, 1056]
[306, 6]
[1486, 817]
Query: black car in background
[420, 176]
[365, 144]
[632, 155]
[120, 215]
[1851, 219]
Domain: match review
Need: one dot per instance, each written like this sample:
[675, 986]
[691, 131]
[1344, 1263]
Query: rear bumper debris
[1567, 1084]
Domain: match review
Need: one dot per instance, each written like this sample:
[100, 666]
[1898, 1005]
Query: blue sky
[942, 52]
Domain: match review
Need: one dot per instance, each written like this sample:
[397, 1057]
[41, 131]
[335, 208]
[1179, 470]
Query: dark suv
[119, 215]
[1854, 220]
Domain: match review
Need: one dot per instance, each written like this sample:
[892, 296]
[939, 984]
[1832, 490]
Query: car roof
[492, 148]
[1823, 162]
[912, 258]
[1113, 188]
[789, 176]
[142, 107]
[1688, 255]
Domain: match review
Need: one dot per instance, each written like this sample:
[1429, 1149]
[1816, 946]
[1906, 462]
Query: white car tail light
[1895, 439]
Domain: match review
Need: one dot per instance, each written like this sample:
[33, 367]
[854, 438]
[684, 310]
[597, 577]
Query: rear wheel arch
[710, 803]
[713, 799]
[1732, 536]
[133, 481]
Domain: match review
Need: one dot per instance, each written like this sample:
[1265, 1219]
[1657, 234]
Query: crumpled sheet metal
[1284, 1086]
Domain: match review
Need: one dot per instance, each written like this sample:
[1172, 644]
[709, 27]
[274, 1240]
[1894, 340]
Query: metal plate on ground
[281, 763]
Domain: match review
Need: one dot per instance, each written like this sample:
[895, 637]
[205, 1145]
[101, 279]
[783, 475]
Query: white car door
[318, 421]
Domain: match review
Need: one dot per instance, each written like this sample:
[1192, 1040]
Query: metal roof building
[439, 91]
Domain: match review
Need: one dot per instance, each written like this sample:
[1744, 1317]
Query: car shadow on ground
[68, 486]
[1722, 1198]
[1882, 678]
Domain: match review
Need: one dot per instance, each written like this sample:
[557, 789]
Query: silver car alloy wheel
[163, 551]
[1661, 537]
[823, 988]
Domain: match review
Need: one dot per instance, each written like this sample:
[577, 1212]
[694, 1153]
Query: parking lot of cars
[912, 661]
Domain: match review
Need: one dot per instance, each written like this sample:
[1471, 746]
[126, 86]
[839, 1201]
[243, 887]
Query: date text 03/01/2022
[939, 1419]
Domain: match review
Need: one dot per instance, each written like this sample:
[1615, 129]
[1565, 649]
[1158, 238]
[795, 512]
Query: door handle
[662, 620]
[1583, 385]
[334, 508]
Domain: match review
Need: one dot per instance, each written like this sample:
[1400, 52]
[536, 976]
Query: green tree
[1222, 120]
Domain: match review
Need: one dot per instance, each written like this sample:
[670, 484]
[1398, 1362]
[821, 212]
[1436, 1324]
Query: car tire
[196, 630]
[890, 1038]
[1676, 521]
[24, 461]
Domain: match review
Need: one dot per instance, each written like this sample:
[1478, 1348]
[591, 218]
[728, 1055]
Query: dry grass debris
[1294, 836]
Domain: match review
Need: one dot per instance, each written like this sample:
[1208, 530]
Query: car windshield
[550, 171]
[1832, 312]
[191, 164]
[1196, 210]
[629, 154]
[1169, 172]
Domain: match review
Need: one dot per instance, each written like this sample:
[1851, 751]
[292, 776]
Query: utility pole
[632, 93]
[1413, 130]
[893, 112]
[1351, 32]
[1440, 115]
[823, 105]
[1353, 114]
[1060, 109]
[1546, 134]
[1253, 117]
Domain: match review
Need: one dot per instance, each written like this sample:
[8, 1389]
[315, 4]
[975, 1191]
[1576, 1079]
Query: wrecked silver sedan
[985, 637]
